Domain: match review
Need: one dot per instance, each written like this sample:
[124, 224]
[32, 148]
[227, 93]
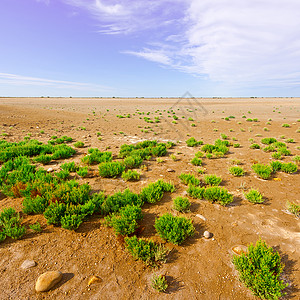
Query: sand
[199, 268]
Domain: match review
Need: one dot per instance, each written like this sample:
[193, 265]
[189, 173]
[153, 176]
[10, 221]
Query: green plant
[133, 161]
[293, 208]
[181, 204]
[159, 282]
[260, 269]
[286, 125]
[217, 194]
[263, 171]
[289, 168]
[268, 141]
[236, 171]
[237, 145]
[34, 205]
[36, 227]
[111, 169]
[44, 159]
[174, 229]
[254, 196]
[71, 221]
[284, 151]
[79, 144]
[276, 155]
[276, 165]
[192, 142]
[69, 166]
[255, 146]
[155, 191]
[196, 161]
[189, 179]
[151, 253]
[95, 156]
[63, 174]
[131, 175]
[82, 171]
[296, 159]
[212, 180]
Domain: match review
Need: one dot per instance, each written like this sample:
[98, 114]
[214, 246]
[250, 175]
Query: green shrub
[192, 142]
[71, 222]
[268, 141]
[111, 169]
[181, 204]
[289, 168]
[155, 191]
[44, 159]
[63, 174]
[237, 145]
[189, 179]
[69, 166]
[254, 196]
[35, 205]
[236, 171]
[293, 208]
[276, 166]
[174, 229]
[134, 161]
[79, 144]
[255, 146]
[286, 125]
[212, 179]
[82, 171]
[196, 161]
[125, 221]
[95, 156]
[263, 171]
[159, 282]
[199, 154]
[269, 148]
[195, 191]
[54, 212]
[36, 227]
[260, 269]
[284, 151]
[131, 175]
[217, 194]
[296, 159]
[276, 155]
[151, 253]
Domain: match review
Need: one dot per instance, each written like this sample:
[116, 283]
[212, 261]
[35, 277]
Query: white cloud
[13, 79]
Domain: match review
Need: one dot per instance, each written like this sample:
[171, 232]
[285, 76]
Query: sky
[143, 48]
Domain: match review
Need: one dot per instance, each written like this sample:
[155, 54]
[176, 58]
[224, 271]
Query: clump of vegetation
[236, 171]
[260, 269]
[192, 142]
[159, 282]
[155, 191]
[82, 171]
[254, 146]
[43, 159]
[254, 196]
[111, 169]
[95, 156]
[196, 161]
[174, 229]
[79, 144]
[217, 194]
[189, 179]
[131, 175]
[268, 141]
[181, 204]
[212, 180]
[151, 253]
[69, 166]
[263, 171]
[133, 161]
[286, 125]
[289, 168]
[293, 208]
[36, 227]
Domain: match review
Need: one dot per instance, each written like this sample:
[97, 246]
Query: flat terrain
[197, 269]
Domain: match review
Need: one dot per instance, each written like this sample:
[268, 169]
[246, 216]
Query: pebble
[201, 217]
[50, 170]
[207, 234]
[239, 249]
[170, 170]
[48, 280]
[28, 264]
[93, 279]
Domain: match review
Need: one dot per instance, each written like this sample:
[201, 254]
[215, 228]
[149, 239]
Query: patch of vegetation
[289, 168]
[79, 144]
[159, 282]
[181, 204]
[217, 194]
[189, 179]
[263, 171]
[196, 161]
[69, 166]
[174, 229]
[254, 196]
[254, 146]
[260, 269]
[192, 142]
[236, 171]
[131, 175]
[212, 180]
[82, 171]
[293, 208]
[95, 156]
[111, 169]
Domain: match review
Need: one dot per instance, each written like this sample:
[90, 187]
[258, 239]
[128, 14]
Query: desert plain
[199, 268]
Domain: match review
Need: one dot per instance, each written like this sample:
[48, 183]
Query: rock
[28, 264]
[239, 249]
[207, 234]
[94, 279]
[50, 170]
[170, 170]
[201, 217]
[185, 193]
[47, 280]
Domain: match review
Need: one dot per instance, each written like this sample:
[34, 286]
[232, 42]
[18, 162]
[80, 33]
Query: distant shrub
[263, 171]
[79, 144]
[36, 227]
[268, 141]
[260, 269]
[276, 155]
[43, 158]
[255, 146]
[276, 166]
[237, 145]
[69, 166]
[151, 253]
[82, 171]
[269, 148]
[236, 171]
[289, 168]
[35, 205]
[212, 179]
[254, 196]
[217, 194]
[189, 179]
[95, 156]
[134, 161]
[286, 125]
[63, 174]
[159, 282]
[71, 222]
[181, 204]
[284, 151]
[111, 169]
[174, 229]
[131, 175]
[293, 208]
[195, 191]
[196, 161]
[192, 142]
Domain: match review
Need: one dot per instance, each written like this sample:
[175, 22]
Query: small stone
[48, 280]
[50, 170]
[94, 279]
[201, 217]
[170, 170]
[28, 264]
[207, 234]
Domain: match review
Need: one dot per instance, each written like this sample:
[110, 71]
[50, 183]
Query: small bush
[174, 229]
[192, 142]
[82, 171]
[196, 161]
[276, 166]
[255, 146]
[63, 174]
[217, 194]
[131, 175]
[44, 159]
[111, 169]
[69, 166]
[284, 151]
[36, 227]
[35, 205]
[254, 196]
[268, 141]
[212, 180]
[159, 282]
[181, 204]
[289, 168]
[286, 125]
[236, 171]
[79, 144]
[293, 208]
[263, 171]
[276, 155]
[133, 161]
[196, 192]
[189, 179]
[95, 156]
[72, 221]
[260, 270]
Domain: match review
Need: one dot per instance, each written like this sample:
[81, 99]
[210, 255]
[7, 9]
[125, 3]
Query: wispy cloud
[13, 79]
[229, 41]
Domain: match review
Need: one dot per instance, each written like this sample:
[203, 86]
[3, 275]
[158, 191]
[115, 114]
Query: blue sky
[149, 48]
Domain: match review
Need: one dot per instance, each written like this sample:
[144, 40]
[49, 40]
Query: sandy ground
[197, 269]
